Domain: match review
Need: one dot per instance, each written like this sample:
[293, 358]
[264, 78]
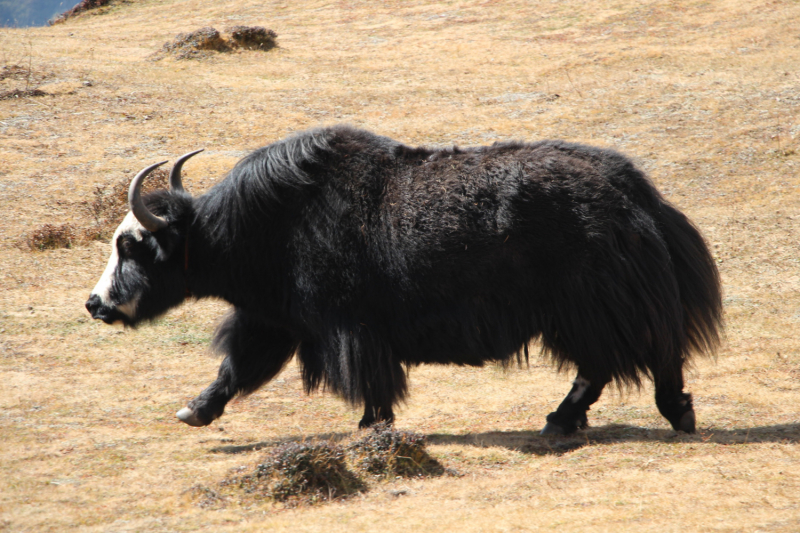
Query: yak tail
[698, 281]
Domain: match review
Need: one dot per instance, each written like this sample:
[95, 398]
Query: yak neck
[228, 258]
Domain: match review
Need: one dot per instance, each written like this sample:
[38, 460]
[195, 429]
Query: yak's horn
[175, 183]
[147, 219]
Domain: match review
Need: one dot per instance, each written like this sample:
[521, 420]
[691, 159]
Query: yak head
[145, 275]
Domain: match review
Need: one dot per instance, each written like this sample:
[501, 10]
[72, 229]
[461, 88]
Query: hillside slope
[704, 96]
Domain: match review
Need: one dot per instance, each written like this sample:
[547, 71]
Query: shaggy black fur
[365, 256]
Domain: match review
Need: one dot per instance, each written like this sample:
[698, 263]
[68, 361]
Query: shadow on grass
[533, 443]
[244, 448]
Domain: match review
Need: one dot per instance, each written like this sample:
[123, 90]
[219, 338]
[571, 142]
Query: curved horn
[147, 219]
[175, 183]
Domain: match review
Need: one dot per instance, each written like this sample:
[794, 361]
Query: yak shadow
[244, 448]
[531, 442]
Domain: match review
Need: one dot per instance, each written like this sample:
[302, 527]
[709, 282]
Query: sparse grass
[704, 95]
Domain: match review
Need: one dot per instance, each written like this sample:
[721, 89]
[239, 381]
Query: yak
[365, 257]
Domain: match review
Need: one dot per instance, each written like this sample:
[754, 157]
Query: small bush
[51, 237]
[303, 473]
[384, 451]
[253, 37]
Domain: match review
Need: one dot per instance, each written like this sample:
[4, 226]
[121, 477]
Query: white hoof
[552, 429]
[187, 416]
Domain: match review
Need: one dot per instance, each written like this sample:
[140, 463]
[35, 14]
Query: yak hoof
[687, 422]
[188, 416]
[552, 429]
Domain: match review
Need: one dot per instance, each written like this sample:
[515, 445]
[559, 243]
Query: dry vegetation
[704, 94]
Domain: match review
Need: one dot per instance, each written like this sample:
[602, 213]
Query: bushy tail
[698, 281]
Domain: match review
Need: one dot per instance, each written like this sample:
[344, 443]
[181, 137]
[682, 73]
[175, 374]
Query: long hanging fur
[381, 256]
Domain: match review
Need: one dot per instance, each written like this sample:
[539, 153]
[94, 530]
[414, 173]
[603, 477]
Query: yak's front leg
[571, 414]
[255, 352]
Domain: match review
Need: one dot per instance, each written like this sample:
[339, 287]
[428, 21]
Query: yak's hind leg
[375, 414]
[255, 352]
[674, 404]
[571, 414]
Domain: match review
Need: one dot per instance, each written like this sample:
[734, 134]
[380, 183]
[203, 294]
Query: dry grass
[704, 95]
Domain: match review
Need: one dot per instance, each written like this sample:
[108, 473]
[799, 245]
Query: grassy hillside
[703, 95]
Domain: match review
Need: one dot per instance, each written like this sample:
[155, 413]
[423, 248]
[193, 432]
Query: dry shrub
[253, 37]
[83, 5]
[51, 237]
[109, 206]
[21, 93]
[296, 473]
[384, 451]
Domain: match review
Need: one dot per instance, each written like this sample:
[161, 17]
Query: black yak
[365, 256]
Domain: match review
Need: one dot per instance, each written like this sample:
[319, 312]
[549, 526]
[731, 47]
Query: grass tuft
[297, 473]
[385, 451]
[253, 37]
[307, 473]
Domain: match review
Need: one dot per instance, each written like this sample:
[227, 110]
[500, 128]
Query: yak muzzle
[101, 311]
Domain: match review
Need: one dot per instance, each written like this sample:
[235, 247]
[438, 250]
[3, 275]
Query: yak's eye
[126, 246]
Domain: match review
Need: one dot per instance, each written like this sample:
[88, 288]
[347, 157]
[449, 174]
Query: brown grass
[703, 95]
[50, 237]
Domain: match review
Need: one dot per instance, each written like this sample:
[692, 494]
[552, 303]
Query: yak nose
[93, 305]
